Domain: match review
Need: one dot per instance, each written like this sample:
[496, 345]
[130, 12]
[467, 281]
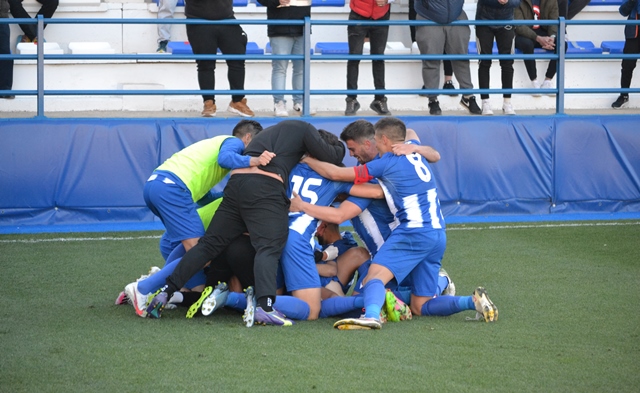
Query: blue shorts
[298, 264]
[168, 198]
[416, 254]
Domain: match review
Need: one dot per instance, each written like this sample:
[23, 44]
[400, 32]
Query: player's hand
[403, 149]
[265, 157]
[503, 2]
[297, 204]
[381, 3]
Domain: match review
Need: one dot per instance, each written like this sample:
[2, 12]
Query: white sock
[176, 298]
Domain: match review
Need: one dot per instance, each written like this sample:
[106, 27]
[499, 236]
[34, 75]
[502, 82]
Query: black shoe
[352, 106]
[434, 108]
[423, 95]
[471, 105]
[620, 102]
[8, 97]
[448, 85]
[380, 107]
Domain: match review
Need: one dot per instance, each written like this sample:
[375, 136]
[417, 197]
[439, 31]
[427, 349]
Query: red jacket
[368, 9]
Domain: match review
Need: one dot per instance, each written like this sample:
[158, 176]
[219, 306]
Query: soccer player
[416, 246]
[255, 201]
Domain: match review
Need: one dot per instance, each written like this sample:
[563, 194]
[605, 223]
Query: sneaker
[358, 324]
[298, 108]
[138, 300]
[471, 105]
[383, 315]
[380, 107]
[485, 309]
[547, 84]
[157, 304]
[535, 84]
[352, 106]
[209, 109]
[423, 95]
[507, 109]
[21, 39]
[216, 300]
[434, 108]
[162, 47]
[486, 108]
[9, 97]
[122, 299]
[397, 310]
[448, 85]
[274, 317]
[249, 312]
[196, 306]
[280, 109]
[621, 102]
[450, 290]
[240, 108]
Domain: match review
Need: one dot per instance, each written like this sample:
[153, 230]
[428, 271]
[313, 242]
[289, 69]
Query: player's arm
[230, 155]
[346, 211]
[367, 190]
[323, 151]
[330, 171]
[403, 149]
[328, 269]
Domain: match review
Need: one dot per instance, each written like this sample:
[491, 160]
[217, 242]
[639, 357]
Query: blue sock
[177, 252]
[373, 292]
[158, 280]
[292, 307]
[443, 283]
[447, 305]
[237, 301]
[403, 294]
[339, 305]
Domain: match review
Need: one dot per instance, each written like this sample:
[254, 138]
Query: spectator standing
[6, 66]
[166, 9]
[503, 35]
[206, 40]
[435, 40]
[31, 31]
[286, 40]
[568, 9]
[630, 9]
[367, 10]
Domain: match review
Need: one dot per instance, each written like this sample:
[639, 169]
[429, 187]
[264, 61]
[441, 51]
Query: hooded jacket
[548, 10]
[630, 9]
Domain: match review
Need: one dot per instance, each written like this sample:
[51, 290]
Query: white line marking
[78, 239]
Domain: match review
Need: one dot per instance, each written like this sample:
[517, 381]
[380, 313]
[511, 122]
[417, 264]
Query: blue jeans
[287, 46]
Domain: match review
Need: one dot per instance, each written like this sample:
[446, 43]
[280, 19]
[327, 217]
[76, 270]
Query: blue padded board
[612, 46]
[184, 48]
[332, 48]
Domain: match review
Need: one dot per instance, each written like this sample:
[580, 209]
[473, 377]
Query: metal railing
[560, 91]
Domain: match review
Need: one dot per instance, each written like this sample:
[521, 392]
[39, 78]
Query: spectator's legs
[457, 43]
[484, 42]
[280, 46]
[204, 41]
[526, 46]
[504, 41]
[563, 7]
[18, 12]
[575, 6]
[6, 66]
[553, 64]
[412, 16]
[378, 39]
[448, 68]
[166, 9]
[47, 10]
[356, 35]
[631, 46]
[431, 41]
[233, 41]
[297, 81]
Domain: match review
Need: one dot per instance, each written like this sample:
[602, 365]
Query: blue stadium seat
[267, 49]
[473, 48]
[184, 48]
[327, 3]
[332, 48]
[537, 51]
[606, 2]
[583, 47]
[236, 3]
[612, 46]
[253, 49]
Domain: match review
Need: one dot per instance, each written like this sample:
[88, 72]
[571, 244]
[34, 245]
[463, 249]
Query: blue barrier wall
[79, 171]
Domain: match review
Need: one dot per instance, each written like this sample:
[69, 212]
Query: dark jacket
[439, 11]
[548, 11]
[209, 9]
[273, 12]
[631, 9]
[4, 9]
[493, 10]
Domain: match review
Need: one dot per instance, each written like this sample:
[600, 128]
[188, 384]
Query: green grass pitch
[568, 295]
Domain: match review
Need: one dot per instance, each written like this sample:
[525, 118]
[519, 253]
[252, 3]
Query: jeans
[287, 46]
[166, 9]
[527, 46]
[504, 40]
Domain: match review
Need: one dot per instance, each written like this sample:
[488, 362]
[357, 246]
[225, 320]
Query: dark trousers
[527, 46]
[236, 260]
[631, 46]
[256, 204]
[504, 40]
[47, 10]
[569, 9]
[231, 40]
[448, 68]
[378, 40]
[6, 66]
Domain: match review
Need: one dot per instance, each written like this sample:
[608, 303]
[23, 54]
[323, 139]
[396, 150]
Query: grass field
[568, 295]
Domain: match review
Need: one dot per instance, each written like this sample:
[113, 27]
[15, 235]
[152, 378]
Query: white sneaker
[138, 300]
[280, 109]
[507, 109]
[547, 84]
[298, 108]
[450, 290]
[535, 84]
[486, 108]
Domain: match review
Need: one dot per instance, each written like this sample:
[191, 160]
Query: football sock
[177, 252]
[157, 281]
[374, 293]
[188, 298]
[178, 297]
[292, 307]
[443, 283]
[403, 294]
[237, 301]
[447, 305]
[266, 303]
[339, 305]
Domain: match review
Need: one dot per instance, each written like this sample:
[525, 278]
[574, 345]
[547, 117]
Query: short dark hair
[332, 140]
[358, 131]
[245, 127]
[392, 127]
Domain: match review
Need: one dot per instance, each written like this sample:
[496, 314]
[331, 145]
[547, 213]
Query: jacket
[295, 13]
[548, 10]
[368, 9]
[493, 10]
[209, 9]
[439, 11]
[4, 9]
[631, 9]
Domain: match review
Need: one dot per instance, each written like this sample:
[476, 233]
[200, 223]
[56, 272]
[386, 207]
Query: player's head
[327, 232]
[332, 140]
[246, 130]
[389, 131]
[359, 137]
